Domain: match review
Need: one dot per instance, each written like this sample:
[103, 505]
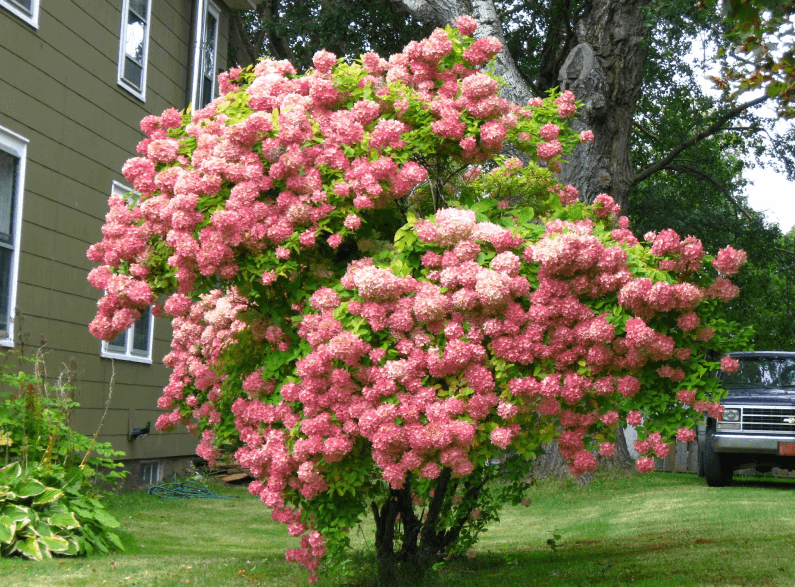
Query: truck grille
[769, 420]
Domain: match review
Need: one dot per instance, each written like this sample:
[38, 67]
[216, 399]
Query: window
[133, 46]
[13, 151]
[150, 472]
[27, 10]
[205, 54]
[135, 343]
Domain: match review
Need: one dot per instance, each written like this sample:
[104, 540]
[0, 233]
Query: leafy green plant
[53, 475]
[35, 431]
[38, 521]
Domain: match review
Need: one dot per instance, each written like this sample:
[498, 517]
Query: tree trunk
[551, 465]
[423, 539]
[422, 543]
[605, 71]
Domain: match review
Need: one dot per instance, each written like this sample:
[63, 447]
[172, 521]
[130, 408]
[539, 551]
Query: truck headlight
[731, 415]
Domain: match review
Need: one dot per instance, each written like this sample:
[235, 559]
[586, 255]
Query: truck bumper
[735, 443]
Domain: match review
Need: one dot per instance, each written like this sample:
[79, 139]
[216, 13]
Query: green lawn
[658, 530]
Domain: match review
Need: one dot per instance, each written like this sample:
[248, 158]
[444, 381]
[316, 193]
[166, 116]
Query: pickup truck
[757, 429]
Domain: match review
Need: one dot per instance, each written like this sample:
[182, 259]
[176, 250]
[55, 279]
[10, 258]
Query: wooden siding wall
[58, 89]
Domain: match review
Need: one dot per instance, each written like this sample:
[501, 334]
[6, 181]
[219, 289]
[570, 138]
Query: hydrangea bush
[379, 313]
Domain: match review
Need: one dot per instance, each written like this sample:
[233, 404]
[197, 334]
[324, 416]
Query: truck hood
[764, 396]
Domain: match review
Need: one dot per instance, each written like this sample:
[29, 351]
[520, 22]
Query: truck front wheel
[718, 470]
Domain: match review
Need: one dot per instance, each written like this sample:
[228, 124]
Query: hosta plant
[38, 521]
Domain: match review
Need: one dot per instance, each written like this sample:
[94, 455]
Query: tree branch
[435, 508]
[645, 131]
[245, 38]
[709, 131]
[787, 251]
[754, 128]
[704, 177]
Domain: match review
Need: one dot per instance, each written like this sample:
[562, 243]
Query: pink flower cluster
[680, 256]
[729, 260]
[200, 335]
[451, 325]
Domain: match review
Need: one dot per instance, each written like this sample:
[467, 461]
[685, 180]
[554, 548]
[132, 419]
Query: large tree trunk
[605, 71]
[551, 465]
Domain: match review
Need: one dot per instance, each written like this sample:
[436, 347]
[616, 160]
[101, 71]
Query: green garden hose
[185, 490]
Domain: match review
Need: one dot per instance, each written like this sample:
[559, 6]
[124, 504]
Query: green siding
[58, 89]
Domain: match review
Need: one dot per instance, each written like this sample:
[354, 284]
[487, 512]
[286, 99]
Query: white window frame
[17, 146]
[129, 354]
[203, 8]
[32, 17]
[125, 11]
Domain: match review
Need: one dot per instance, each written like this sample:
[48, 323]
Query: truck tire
[718, 470]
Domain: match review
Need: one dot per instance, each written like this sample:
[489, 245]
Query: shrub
[370, 305]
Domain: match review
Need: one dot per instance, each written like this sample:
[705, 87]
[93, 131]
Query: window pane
[139, 7]
[8, 186]
[26, 5]
[206, 86]
[208, 67]
[5, 287]
[132, 72]
[134, 39]
[207, 92]
[140, 342]
[119, 344]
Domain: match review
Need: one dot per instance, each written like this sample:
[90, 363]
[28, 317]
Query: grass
[217, 543]
[658, 530]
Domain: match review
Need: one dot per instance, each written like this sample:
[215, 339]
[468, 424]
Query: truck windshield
[770, 372]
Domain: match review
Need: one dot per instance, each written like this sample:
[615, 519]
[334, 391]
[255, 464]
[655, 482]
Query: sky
[773, 195]
[768, 191]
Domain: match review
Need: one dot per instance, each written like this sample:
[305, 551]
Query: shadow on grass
[577, 568]
[767, 483]
[589, 564]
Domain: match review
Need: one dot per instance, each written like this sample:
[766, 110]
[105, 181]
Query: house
[76, 77]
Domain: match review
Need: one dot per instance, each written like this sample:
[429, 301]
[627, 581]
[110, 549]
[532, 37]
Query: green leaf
[72, 549]
[7, 529]
[30, 487]
[9, 473]
[50, 495]
[55, 543]
[30, 548]
[114, 539]
[525, 215]
[62, 520]
[17, 513]
[106, 519]
[484, 205]
[42, 528]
